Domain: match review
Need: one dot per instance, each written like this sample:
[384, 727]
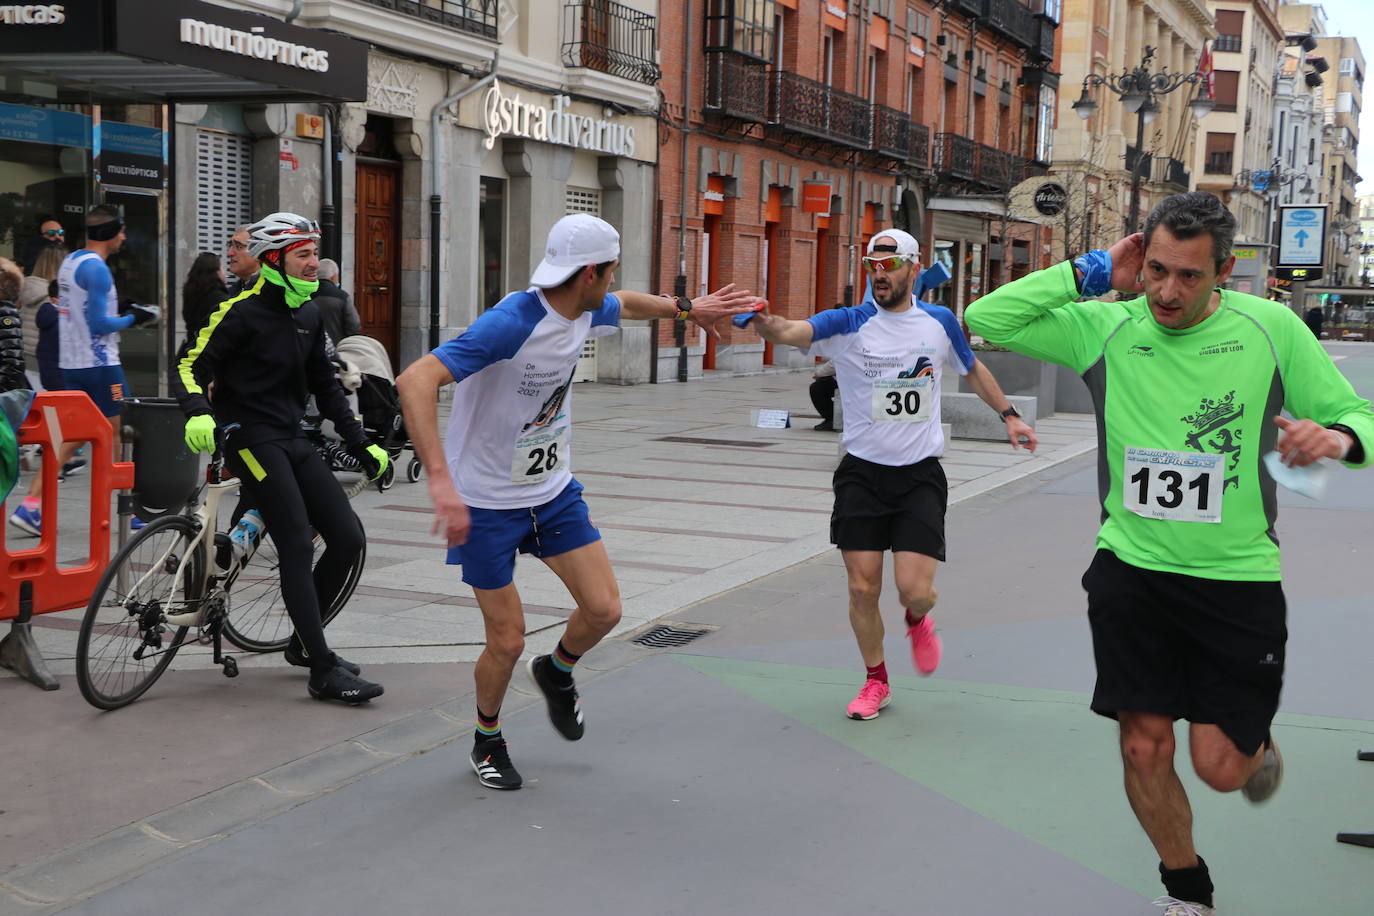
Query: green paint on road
[1039, 763]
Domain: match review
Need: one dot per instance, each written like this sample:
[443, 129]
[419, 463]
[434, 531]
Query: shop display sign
[815, 197]
[510, 115]
[33, 14]
[131, 156]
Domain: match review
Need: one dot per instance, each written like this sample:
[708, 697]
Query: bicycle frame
[206, 517]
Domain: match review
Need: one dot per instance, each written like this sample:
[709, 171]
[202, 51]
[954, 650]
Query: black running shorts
[880, 507]
[1205, 650]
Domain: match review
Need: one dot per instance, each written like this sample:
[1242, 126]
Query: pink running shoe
[925, 646]
[874, 696]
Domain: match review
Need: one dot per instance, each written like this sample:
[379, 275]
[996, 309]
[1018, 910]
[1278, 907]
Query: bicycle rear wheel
[257, 620]
[125, 642]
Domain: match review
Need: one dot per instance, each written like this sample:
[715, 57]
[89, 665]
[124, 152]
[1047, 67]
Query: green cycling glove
[373, 458]
[200, 433]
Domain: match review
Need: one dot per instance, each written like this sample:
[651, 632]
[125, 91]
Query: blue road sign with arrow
[1302, 236]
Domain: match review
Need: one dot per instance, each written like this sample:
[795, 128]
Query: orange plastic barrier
[64, 416]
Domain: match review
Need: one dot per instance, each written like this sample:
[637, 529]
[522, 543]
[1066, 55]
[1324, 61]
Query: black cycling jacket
[264, 358]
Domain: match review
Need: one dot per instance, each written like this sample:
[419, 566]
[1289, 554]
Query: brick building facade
[792, 130]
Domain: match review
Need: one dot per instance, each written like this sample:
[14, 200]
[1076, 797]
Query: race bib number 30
[1173, 486]
[903, 400]
[539, 454]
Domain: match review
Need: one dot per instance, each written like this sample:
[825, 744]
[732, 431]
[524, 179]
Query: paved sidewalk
[691, 500]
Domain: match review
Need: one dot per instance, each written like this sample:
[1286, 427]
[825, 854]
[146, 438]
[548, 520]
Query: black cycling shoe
[565, 710]
[491, 762]
[298, 658]
[338, 683]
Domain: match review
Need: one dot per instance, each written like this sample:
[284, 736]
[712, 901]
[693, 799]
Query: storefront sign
[253, 43]
[815, 197]
[1050, 199]
[1244, 254]
[511, 115]
[130, 155]
[33, 14]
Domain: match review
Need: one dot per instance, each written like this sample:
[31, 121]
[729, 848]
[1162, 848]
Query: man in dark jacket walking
[337, 313]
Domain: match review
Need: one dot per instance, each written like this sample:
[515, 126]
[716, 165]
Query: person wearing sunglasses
[890, 490]
[50, 234]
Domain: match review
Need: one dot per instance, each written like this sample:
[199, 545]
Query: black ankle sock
[1191, 884]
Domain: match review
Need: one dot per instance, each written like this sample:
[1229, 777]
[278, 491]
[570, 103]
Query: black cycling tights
[297, 495]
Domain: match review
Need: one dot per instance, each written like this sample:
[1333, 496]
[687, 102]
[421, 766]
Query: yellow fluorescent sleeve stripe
[184, 368]
[252, 464]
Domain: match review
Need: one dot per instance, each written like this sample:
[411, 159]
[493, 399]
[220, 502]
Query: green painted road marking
[1039, 763]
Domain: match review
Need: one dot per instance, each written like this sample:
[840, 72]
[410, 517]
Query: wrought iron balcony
[1231, 43]
[971, 8]
[611, 38]
[920, 146]
[954, 155]
[1163, 169]
[891, 132]
[476, 16]
[1017, 22]
[1044, 42]
[736, 87]
[805, 106]
[1218, 162]
[998, 169]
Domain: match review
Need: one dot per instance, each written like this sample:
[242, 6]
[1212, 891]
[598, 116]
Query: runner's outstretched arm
[418, 387]
[984, 384]
[779, 330]
[706, 310]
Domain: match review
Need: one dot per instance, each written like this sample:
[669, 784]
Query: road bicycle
[181, 572]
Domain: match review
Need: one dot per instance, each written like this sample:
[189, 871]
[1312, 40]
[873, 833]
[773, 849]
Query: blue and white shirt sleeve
[93, 276]
[830, 328]
[496, 335]
[606, 319]
[960, 354]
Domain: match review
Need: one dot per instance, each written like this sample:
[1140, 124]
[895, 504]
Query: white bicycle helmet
[280, 231]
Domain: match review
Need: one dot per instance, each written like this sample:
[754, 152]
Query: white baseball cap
[906, 245]
[574, 242]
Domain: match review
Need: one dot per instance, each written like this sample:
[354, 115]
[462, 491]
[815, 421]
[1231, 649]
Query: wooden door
[377, 263]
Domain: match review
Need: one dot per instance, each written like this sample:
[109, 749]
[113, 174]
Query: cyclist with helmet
[264, 351]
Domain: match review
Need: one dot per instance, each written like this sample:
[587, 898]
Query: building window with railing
[1044, 128]
[1220, 152]
[743, 26]
[612, 38]
[476, 16]
[1230, 30]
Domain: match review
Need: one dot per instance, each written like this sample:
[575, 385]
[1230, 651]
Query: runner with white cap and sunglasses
[890, 491]
[501, 479]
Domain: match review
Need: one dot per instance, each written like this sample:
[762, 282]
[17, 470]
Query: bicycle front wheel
[257, 620]
[125, 642]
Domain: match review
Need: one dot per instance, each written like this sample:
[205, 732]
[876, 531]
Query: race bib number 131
[539, 454]
[1173, 486]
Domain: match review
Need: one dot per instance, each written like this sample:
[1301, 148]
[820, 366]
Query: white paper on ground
[1310, 481]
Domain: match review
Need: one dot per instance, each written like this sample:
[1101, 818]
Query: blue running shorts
[104, 384]
[497, 535]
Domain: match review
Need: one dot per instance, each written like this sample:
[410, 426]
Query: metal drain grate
[666, 637]
[692, 440]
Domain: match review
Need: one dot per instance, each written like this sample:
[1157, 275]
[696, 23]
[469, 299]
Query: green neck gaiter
[298, 291]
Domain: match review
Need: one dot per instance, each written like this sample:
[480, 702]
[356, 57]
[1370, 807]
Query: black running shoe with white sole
[343, 685]
[565, 710]
[297, 657]
[491, 762]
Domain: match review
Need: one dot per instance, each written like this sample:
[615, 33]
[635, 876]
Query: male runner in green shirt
[1184, 598]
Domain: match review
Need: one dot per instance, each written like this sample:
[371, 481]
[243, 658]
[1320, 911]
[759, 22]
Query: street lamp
[1139, 90]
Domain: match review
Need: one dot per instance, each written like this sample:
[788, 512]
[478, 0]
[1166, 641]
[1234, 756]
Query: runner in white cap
[501, 481]
[890, 491]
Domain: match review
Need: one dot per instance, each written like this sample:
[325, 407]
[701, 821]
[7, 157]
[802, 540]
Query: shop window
[224, 187]
[44, 175]
[492, 217]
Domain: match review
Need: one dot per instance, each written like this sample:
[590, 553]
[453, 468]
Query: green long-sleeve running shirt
[1183, 417]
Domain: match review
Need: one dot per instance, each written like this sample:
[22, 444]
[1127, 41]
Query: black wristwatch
[684, 306]
[1009, 412]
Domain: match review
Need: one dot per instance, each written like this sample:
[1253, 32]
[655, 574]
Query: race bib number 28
[903, 400]
[539, 454]
[1173, 486]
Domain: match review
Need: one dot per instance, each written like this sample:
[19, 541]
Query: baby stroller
[365, 372]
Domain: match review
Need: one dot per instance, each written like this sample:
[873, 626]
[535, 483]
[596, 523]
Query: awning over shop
[181, 50]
